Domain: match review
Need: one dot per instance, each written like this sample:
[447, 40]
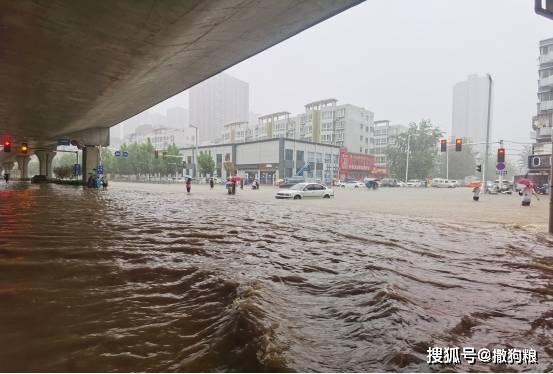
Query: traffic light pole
[550, 192]
[447, 163]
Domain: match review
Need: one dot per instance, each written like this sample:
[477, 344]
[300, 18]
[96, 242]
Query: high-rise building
[345, 125]
[384, 135]
[470, 110]
[218, 101]
[541, 123]
[540, 164]
[177, 117]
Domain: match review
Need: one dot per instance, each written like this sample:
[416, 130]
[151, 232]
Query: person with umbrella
[211, 182]
[527, 191]
[476, 193]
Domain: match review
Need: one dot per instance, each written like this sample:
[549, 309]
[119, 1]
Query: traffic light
[443, 145]
[501, 155]
[7, 145]
[458, 144]
[479, 168]
[24, 148]
[156, 154]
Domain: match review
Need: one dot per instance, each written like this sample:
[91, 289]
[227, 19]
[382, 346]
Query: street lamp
[195, 153]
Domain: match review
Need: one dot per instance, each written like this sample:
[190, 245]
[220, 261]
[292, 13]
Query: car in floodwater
[414, 183]
[291, 181]
[351, 184]
[305, 191]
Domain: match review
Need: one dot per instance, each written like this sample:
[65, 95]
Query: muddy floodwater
[149, 280]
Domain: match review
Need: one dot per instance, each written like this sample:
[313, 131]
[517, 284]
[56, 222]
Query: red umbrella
[526, 182]
[235, 178]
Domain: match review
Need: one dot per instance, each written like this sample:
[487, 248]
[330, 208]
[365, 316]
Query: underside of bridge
[68, 66]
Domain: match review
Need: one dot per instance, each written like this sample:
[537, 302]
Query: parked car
[289, 182]
[351, 184]
[389, 182]
[401, 184]
[443, 183]
[414, 183]
[304, 191]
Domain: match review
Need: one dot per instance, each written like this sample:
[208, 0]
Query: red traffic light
[7, 145]
[501, 155]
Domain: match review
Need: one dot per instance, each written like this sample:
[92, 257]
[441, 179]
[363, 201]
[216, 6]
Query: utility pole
[485, 166]
[447, 162]
[500, 177]
[407, 161]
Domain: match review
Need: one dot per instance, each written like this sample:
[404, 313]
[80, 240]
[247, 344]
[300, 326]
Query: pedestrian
[104, 182]
[90, 181]
[241, 184]
[211, 183]
[7, 177]
[188, 185]
[527, 193]
[476, 193]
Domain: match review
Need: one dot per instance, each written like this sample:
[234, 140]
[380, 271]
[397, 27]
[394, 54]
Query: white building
[470, 110]
[345, 125]
[270, 160]
[384, 134]
[541, 123]
[163, 137]
[237, 132]
[218, 101]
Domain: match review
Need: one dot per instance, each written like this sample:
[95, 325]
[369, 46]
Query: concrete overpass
[74, 68]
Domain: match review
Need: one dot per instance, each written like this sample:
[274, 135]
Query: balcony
[547, 81]
[544, 59]
[544, 132]
[546, 105]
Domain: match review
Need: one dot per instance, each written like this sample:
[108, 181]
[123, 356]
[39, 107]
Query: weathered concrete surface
[67, 65]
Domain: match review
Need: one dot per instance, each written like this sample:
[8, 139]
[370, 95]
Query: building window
[361, 126]
[360, 149]
[219, 158]
[299, 155]
[310, 156]
[360, 138]
[319, 158]
[288, 154]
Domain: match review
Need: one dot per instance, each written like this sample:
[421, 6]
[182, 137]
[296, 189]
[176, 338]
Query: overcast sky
[400, 59]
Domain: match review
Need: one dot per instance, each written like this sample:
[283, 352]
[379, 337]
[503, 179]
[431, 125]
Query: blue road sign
[117, 153]
[64, 141]
[500, 166]
[77, 170]
[100, 169]
[125, 154]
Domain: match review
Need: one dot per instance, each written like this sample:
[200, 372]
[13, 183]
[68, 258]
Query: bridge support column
[45, 160]
[91, 158]
[23, 166]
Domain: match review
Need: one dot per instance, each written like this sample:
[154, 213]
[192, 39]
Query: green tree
[423, 139]
[206, 164]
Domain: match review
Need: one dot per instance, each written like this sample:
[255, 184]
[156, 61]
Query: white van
[442, 183]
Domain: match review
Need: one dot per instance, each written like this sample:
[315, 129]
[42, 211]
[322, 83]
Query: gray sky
[400, 59]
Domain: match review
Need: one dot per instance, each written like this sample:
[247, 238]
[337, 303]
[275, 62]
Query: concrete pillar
[45, 159]
[91, 158]
[23, 165]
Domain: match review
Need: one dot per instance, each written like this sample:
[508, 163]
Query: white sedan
[305, 190]
[351, 184]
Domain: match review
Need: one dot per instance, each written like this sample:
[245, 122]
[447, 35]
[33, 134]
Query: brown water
[148, 281]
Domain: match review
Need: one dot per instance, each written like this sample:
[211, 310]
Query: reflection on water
[142, 281]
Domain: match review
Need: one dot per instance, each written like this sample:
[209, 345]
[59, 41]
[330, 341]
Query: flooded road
[148, 280]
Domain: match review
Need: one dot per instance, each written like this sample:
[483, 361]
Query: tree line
[427, 161]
